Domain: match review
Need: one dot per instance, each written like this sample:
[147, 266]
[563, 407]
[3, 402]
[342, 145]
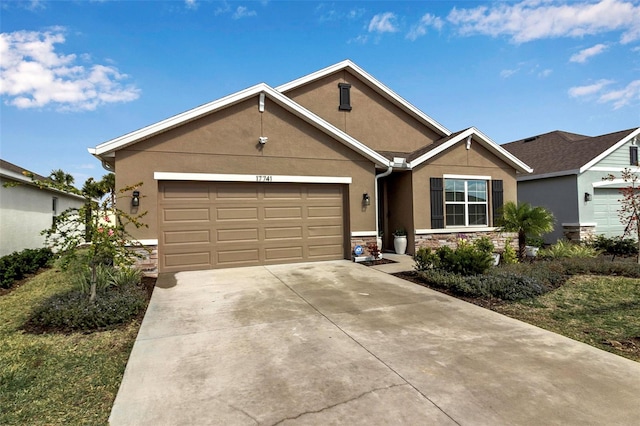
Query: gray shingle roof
[559, 151]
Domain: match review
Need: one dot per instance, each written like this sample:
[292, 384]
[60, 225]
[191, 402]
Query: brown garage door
[205, 225]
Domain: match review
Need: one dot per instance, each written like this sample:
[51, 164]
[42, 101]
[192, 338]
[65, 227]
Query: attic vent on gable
[345, 97]
[531, 139]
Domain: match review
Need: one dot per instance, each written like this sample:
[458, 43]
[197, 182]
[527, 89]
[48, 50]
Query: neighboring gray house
[567, 178]
[25, 210]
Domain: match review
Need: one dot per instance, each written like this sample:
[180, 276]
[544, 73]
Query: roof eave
[485, 141]
[611, 149]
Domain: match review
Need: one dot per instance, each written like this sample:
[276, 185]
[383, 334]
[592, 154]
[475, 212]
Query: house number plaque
[264, 178]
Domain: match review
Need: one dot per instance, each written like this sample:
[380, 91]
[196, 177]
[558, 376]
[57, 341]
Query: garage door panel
[187, 260]
[187, 237]
[243, 235]
[249, 256]
[325, 250]
[231, 213]
[275, 213]
[236, 192]
[284, 253]
[222, 224]
[328, 212]
[282, 192]
[186, 215]
[177, 191]
[271, 233]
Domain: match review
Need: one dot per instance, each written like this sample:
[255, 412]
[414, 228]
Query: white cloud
[582, 56]
[34, 75]
[601, 91]
[222, 9]
[538, 19]
[191, 4]
[508, 73]
[420, 29]
[383, 23]
[243, 12]
[622, 97]
[588, 90]
[545, 73]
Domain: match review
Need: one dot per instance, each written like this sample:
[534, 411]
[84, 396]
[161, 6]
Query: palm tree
[61, 177]
[525, 220]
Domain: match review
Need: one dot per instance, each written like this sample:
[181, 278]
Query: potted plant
[379, 240]
[400, 241]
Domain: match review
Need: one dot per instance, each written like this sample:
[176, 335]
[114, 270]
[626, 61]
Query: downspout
[375, 190]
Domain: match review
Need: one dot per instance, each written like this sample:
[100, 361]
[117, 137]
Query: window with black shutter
[437, 203]
[497, 199]
[345, 97]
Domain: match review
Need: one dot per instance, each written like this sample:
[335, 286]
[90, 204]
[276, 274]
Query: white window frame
[466, 203]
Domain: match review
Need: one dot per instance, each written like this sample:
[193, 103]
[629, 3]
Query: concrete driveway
[339, 343]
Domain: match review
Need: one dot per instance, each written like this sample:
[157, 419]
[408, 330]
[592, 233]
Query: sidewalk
[404, 263]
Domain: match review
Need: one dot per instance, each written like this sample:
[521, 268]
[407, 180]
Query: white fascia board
[484, 141]
[8, 174]
[580, 224]
[218, 177]
[176, 120]
[466, 177]
[603, 155]
[548, 175]
[375, 84]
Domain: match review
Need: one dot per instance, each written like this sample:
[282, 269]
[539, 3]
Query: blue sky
[75, 74]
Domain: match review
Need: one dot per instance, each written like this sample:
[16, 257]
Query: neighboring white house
[26, 210]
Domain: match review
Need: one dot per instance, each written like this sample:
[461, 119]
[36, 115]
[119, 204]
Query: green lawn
[601, 311]
[54, 378]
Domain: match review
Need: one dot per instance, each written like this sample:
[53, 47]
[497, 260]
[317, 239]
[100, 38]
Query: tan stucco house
[307, 171]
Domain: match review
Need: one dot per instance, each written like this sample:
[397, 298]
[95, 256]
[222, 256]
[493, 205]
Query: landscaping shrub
[73, 311]
[509, 255]
[615, 246]
[576, 266]
[505, 285]
[17, 265]
[565, 249]
[425, 259]
[466, 259]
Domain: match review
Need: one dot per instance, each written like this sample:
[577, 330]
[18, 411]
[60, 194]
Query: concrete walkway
[340, 343]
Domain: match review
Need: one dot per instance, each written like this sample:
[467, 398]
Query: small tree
[525, 220]
[98, 222]
[630, 203]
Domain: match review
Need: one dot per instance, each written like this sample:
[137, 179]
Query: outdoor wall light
[366, 200]
[135, 200]
[587, 197]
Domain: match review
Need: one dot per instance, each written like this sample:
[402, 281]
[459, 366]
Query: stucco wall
[373, 120]
[559, 195]
[24, 212]
[226, 142]
[477, 161]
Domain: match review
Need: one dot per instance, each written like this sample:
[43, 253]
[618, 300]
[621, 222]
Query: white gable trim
[484, 141]
[375, 84]
[613, 148]
[106, 149]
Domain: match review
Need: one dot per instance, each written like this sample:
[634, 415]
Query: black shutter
[345, 97]
[633, 155]
[497, 199]
[437, 203]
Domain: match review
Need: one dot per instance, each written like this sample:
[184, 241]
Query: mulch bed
[377, 262]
